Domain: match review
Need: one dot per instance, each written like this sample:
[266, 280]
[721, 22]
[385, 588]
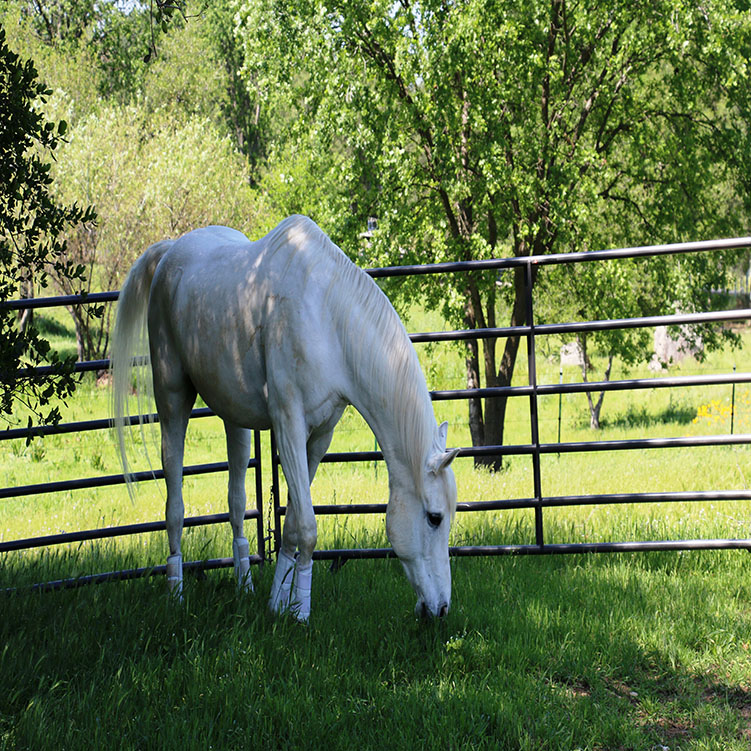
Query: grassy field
[590, 652]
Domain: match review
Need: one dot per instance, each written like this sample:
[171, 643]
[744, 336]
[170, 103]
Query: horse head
[418, 522]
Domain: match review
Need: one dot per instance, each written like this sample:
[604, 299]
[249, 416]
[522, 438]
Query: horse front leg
[293, 577]
[238, 454]
[291, 588]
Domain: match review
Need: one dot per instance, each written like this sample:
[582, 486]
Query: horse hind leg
[238, 454]
[174, 406]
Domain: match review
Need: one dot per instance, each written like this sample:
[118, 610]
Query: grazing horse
[283, 333]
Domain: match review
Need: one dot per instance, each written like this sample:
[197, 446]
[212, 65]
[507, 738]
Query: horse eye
[435, 520]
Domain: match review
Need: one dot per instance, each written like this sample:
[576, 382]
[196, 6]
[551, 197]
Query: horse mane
[373, 336]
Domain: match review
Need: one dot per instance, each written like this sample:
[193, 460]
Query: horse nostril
[427, 614]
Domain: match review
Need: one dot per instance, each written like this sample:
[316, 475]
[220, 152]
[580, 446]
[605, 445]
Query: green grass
[608, 652]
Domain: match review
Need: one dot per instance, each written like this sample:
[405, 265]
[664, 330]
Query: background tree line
[467, 129]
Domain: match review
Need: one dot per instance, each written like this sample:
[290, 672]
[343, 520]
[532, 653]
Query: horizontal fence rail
[121, 530]
[210, 564]
[103, 481]
[535, 449]
[130, 529]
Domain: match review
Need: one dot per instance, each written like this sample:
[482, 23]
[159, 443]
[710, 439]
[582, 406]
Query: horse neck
[387, 385]
[394, 400]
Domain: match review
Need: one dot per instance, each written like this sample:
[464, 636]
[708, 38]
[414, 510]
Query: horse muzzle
[426, 612]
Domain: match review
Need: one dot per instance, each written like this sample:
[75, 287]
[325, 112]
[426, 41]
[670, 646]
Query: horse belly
[232, 382]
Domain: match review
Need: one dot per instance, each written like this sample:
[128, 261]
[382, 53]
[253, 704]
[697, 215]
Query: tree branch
[47, 21]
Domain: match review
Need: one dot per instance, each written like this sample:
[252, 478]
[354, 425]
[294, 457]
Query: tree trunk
[476, 423]
[495, 407]
[78, 323]
[25, 317]
[595, 407]
[472, 361]
[92, 331]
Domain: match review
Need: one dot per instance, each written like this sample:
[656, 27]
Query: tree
[151, 176]
[239, 103]
[31, 226]
[486, 129]
[111, 43]
[147, 93]
[68, 67]
[60, 20]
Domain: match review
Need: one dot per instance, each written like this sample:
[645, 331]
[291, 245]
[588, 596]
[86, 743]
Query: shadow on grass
[642, 417]
[64, 337]
[51, 327]
[610, 652]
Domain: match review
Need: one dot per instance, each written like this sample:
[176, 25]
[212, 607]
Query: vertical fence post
[276, 516]
[560, 400]
[259, 494]
[533, 412]
[732, 407]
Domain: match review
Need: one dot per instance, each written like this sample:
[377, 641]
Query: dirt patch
[622, 689]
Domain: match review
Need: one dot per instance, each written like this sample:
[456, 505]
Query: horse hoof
[175, 576]
[245, 583]
[241, 558]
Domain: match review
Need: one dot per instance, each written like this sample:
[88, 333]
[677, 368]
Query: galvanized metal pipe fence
[533, 390]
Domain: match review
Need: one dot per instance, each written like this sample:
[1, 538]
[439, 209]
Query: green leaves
[31, 221]
[516, 128]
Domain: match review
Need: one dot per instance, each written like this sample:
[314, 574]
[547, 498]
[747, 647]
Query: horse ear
[442, 456]
[442, 460]
[439, 443]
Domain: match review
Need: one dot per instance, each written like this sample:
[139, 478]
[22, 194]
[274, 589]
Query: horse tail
[130, 347]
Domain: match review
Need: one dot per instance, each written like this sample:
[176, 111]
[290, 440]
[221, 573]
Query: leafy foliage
[467, 130]
[151, 176]
[31, 226]
[482, 129]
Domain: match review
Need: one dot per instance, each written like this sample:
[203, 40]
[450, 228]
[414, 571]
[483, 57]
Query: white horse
[283, 333]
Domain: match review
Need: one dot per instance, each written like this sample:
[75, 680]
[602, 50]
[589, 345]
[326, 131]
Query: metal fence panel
[535, 449]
